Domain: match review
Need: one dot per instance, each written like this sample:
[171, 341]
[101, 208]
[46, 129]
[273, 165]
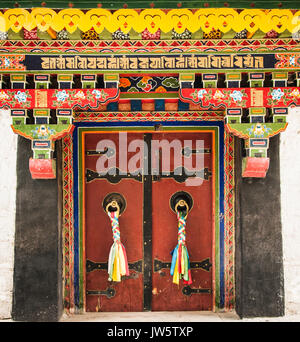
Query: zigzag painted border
[68, 224]
[154, 46]
[148, 116]
[229, 221]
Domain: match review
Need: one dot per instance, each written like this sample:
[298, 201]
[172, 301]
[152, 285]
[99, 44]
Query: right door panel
[167, 296]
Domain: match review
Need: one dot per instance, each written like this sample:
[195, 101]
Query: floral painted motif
[277, 94]
[3, 35]
[218, 95]
[99, 94]
[272, 34]
[201, 93]
[21, 97]
[12, 62]
[283, 96]
[146, 35]
[80, 95]
[258, 130]
[186, 34]
[237, 96]
[30, 35]
[219, 98]
[119, 35]
[56, 98]
[62, 95]
[3, 96]
[295, 93]
[81, 98]
[62, 35]
[292, 60]
[42, 132]
[287, 60]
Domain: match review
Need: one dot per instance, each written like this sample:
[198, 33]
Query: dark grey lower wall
[259, 261]
[37, 293]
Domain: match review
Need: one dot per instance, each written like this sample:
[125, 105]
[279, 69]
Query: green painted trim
[217, 196]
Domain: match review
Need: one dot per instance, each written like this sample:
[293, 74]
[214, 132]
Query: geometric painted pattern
[229, 221]
[68, 226]
[152, 46]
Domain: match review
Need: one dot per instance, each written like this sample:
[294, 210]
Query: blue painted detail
[136, 105]
[221, 214]
[183, 106]
[160, 105]
[76, 218]
[112, 107]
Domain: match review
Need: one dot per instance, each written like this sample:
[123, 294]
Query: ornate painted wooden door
[102, 295]
[165, 294]
[148, 228]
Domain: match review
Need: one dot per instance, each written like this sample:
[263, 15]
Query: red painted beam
[57, 98]
[217, 98]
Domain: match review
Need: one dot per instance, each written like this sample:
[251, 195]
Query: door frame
[223, 203]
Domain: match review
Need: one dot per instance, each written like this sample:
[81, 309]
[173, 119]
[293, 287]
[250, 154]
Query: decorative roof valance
[179, 20]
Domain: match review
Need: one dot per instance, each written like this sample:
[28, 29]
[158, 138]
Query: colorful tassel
[117, 260]
[180, 265]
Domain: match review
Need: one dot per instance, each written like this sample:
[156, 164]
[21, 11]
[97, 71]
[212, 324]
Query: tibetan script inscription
[150, 62]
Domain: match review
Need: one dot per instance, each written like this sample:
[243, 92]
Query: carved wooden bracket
[42, 136]
[256, 134]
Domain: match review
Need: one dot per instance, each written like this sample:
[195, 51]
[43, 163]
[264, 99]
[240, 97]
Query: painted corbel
[42, 165]
[256, 135]
[186, 80]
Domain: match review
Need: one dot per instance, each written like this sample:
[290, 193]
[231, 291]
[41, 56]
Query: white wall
[8, 154]
[290, 209]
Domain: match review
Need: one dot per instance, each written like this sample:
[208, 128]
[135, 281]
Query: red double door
[148, 226]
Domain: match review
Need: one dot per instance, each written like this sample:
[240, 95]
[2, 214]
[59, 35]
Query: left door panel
[101, 294]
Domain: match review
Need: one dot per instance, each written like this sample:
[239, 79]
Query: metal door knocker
[181, 204]
[114, 204]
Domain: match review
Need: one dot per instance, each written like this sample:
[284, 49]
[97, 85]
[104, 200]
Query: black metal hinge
[92, 266]
[204, 265]
[188, 291]
[180, 174]
[113, 175]
[108, 151]
[109, 292]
